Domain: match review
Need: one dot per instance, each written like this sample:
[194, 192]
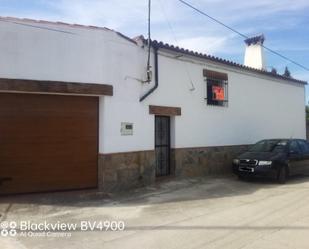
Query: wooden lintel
[164, 110]
[60, 87]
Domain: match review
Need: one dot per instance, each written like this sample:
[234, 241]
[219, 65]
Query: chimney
[254, 55]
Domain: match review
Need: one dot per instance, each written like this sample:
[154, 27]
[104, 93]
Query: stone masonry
[205, 160]
[120, 171]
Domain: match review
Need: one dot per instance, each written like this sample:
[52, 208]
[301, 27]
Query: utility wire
[241, 34]
[177, 43]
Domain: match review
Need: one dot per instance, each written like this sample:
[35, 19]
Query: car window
[303, 146]
[280, 146]
[294, 147]
[271, 145]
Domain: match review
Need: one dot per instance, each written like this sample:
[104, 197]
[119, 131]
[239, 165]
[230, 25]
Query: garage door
[47, 142]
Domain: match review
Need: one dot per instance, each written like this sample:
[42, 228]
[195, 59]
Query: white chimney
[254, 55]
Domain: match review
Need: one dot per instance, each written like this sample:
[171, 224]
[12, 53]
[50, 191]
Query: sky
[285, 24]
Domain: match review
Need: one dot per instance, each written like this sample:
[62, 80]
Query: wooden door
[47, 142]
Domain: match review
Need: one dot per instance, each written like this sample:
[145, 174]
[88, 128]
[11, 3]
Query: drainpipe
[156, 78]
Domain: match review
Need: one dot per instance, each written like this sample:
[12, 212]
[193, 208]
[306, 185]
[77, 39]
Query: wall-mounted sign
[126, 129]
[218, 93]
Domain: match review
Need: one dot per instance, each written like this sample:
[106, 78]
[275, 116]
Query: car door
[303, 145]
[295, 158]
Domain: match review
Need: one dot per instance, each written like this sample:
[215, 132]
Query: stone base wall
[205, 160]
[120, 171]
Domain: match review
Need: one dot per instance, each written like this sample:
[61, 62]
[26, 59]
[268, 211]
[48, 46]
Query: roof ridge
[160, 44]
[10, 18]
[73, 25]
[171, 47]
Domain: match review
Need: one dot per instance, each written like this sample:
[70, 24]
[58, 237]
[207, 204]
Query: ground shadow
[175, 190]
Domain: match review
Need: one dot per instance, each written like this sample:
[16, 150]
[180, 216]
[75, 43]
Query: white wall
[59, 52]
[258, 107]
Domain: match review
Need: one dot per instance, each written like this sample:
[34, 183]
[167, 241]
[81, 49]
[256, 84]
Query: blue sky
[285, 23]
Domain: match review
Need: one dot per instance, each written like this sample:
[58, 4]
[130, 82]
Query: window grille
[216, 88]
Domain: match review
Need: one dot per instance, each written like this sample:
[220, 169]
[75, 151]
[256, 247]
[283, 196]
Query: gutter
[151, 90]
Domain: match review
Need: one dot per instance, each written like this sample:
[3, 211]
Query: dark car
[276, 158]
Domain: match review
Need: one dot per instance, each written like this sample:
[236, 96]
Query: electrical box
[126, 129]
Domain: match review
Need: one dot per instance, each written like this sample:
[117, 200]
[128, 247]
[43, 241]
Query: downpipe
[156, 76]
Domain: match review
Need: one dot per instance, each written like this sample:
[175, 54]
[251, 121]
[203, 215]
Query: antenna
[149, 73]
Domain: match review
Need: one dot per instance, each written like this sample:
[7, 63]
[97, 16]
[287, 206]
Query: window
[303, 146]
[216, 88]
[294, 148]
[273, 145]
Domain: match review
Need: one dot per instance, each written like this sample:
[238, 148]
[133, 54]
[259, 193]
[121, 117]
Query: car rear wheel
[282, 175]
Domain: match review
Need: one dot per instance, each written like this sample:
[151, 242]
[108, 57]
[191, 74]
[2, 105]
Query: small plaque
[126, 129]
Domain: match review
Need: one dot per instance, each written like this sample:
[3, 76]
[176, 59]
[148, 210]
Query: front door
[162, 145]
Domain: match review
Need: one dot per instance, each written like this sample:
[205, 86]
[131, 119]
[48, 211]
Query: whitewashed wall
[63, 53]
[258, 107]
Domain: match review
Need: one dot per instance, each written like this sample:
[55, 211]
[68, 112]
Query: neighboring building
[75, 112]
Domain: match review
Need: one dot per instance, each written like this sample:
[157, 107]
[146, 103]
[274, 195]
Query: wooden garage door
[47, 142]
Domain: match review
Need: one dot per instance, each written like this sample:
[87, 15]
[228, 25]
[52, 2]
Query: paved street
[191, 213]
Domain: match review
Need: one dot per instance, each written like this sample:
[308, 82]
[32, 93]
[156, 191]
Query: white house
[77, 111]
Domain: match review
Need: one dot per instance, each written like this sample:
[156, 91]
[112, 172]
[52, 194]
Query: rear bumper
[257, 171]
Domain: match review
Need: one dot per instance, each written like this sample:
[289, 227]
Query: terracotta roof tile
[167, 46]
[160, 44]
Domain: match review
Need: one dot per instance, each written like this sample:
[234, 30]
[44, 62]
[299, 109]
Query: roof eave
[222, 61]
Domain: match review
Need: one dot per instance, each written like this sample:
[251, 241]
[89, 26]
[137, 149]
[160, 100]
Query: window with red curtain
[217, 86]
